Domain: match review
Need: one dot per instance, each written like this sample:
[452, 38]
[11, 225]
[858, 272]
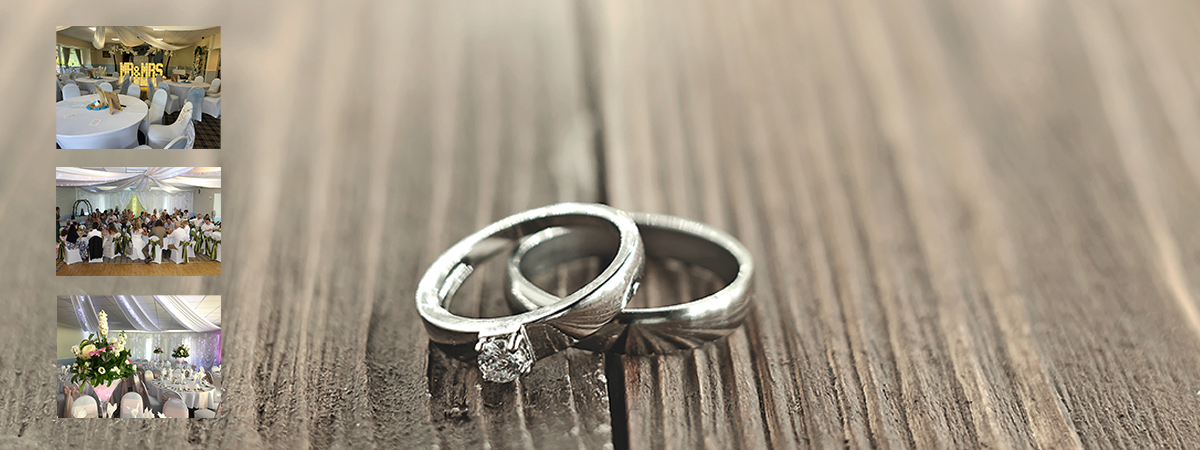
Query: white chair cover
[71, 90]
[131, 403]
[157, 106]
[205, 413]
[86, 404]
[195, 96]
[199, 79]
[175, 409]
[179, 143]
[72, 253]
[132, 90]
[156, 250]
[125, 87]
[106, 86]
[211, 106]
[215, 89]
[161, 135]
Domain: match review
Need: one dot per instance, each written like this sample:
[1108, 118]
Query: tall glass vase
[104, 393]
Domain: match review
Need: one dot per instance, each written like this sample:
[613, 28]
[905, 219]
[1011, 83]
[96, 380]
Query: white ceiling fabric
[170, 179]
[133, 37]
[184, 314]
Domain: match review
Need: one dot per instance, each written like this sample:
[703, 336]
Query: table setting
[80, 124]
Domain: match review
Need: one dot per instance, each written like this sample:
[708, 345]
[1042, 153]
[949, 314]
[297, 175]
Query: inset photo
[138, 356]
[138, 221]
[138, 87]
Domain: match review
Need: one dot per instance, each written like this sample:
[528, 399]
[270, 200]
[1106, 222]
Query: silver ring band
[508, 346]
[642, 331]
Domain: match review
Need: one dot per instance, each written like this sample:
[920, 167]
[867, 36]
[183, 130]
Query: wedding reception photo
[138, 356]
[138, 87]
[138, 221]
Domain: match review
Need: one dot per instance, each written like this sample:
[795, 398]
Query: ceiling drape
[170, 179]
[133, 37]
[184, 314]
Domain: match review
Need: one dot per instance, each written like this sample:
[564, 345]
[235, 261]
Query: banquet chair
[157, 259]
[105, 86]
[157, 106]
[212, 100]
[72, 253]
[199, 79]
[96, 249]
[61, 406]
[177, 143]
[125, 86]
[205, 413]
[87, 405]
[71, 90]
[175, 409]
[161, 135]
[132, 90]
[58, 90]
[195, 96]
[130, 404]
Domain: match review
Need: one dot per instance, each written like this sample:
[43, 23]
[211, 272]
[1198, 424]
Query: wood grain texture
[974, 222]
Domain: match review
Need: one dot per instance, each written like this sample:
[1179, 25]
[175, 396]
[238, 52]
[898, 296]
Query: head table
[73, 124]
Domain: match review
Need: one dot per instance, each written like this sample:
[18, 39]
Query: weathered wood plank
[954, 253]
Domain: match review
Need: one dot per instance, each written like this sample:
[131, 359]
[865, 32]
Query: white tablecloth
[191, 398]
[89, 82]
[117, 130]
[181, 89]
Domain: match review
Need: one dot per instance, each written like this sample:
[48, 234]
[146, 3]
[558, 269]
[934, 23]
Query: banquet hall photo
[138, 357]
[137, 221]
[155, 87]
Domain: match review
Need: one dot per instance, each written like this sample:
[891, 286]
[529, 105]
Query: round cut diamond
[504, 357]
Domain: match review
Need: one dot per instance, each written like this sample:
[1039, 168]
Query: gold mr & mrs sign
[139, 73]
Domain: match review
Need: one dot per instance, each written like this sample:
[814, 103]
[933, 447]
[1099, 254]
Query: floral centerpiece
[101, 362]
[180, 352]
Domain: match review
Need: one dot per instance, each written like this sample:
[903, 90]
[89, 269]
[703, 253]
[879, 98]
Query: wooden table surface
[975, 223]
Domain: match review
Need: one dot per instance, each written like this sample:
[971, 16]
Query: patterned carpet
[208, 131]
[59, 264]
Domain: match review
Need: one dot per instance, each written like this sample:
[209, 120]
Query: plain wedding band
[508, 346]
[643, 331]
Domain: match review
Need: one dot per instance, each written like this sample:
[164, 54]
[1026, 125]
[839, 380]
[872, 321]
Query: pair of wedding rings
[595, 316]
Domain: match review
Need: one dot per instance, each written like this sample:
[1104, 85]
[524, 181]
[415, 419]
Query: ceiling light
[92, 28]
[115, 39]
[160, 39]
[157, 29]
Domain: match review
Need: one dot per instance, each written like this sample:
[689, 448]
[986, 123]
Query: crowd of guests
[176, 225]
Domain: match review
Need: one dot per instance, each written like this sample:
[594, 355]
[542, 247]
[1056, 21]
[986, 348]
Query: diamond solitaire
[502, 358]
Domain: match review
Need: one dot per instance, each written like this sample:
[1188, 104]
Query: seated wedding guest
[72, 232]
[110, 240]
[208, 225]
[178, 236]
[95, 231]
[158, 230]
[95, 242]
[137, 240]
[57, 218]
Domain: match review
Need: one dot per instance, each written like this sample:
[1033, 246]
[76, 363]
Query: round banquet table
[193, 399]
[91, 82]
[181, 89]
[117, 130]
